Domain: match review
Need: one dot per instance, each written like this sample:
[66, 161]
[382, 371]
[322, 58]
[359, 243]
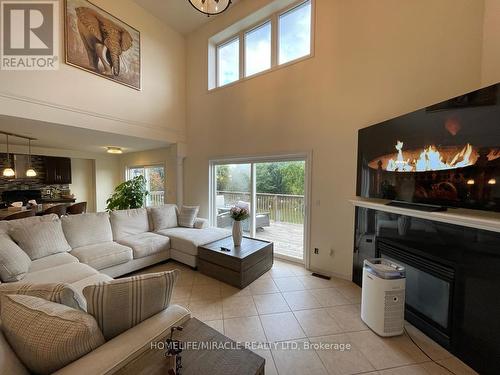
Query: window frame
[273, 19]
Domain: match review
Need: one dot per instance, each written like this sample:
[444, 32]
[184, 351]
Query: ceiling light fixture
[8, 171]
[210, 7]
[115, 150]
[30, 172]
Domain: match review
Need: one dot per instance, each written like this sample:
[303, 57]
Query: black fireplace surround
[449, 155]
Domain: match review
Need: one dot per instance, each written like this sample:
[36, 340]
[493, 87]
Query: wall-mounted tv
[447, 154]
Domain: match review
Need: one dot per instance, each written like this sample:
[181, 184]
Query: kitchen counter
[58, 200]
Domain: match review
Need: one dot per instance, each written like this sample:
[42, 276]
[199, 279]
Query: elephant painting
[98, 42]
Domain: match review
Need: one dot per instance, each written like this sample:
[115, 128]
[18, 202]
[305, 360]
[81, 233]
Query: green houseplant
[129, 194]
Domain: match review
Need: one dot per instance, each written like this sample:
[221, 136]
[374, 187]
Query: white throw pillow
[121, 304]
[14, 262]
[47, 336]
[41, 239]
[164, 217]
[187, 216]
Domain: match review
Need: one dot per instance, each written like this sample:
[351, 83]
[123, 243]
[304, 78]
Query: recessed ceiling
[71, 138]
[178, 14]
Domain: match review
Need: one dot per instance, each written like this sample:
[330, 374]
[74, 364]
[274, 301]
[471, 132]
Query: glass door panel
[155, 182]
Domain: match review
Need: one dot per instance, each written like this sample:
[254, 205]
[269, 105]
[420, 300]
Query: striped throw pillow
[187, 216]
[47, 336]
[61, 293]
[121, 304]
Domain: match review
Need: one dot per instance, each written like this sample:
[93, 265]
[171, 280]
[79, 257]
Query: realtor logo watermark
[29, 35]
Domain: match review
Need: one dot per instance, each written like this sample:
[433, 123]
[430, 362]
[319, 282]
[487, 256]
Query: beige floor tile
[317, 322]
[457, 367]
[301, 300]
[428, 368]
[281, 271]
[348, 317]
[231, 291]
[247, 329]
[201, 279]
[288, 284]
[270, 303]
[429, 346]
[206, 310]
[341, 357]
[281, 327]
[292, 361]
[201, 292]
[329, 297]
[216, 324]
[312, 282]
[351, 291]
[385, 353]
[181, 293]
[235, 307]
[263, 286]
[266, 354]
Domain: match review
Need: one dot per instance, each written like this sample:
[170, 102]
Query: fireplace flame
[430, 159]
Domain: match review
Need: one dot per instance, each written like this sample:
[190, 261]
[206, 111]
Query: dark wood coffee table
[216, 360]
[241, 265]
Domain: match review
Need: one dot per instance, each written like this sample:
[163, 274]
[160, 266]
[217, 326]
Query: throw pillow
[41, 239]
[187, 216]
[164, 217]
[14, 262]
[47, 336]
[62, 293]
[119, 305]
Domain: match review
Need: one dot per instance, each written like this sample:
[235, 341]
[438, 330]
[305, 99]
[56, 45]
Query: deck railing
[156, 198]
[281, 207]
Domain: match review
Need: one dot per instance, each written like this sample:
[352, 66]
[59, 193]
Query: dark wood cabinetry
[57, 170]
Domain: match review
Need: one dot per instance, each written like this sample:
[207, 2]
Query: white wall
[374, 59]
[74, 97]
[83, 182]
[491, 43]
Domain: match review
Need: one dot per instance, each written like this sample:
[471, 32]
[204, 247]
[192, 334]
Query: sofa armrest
[200, 223]
[119, 351]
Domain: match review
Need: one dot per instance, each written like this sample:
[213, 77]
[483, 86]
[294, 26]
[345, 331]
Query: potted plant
[129, 194]
[238, 214]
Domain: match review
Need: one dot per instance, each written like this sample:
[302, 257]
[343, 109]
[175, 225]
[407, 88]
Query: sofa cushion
[41, 239]
[103, 255]
[11, 364]
[52, 261]
[6, 226]
[129, 222]
[145, 244]
[187, 240]
[164, 217]
[62, 293]
[47, 336]
[187, 216]
[78, 286]
[121, 304]
[66, 273]
[14, 262]
[87, 229]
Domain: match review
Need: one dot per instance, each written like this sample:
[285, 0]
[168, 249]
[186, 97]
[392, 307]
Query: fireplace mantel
[485, 220]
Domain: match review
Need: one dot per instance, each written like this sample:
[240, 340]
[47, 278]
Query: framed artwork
[102, 44]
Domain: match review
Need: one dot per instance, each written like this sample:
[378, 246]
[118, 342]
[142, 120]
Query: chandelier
[210, 7]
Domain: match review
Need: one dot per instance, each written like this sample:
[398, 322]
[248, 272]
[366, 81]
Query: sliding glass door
[155, 182]
[274, 191]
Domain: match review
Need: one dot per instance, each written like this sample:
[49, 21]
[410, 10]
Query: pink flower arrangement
[239, 213]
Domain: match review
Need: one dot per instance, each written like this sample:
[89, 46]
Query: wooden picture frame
[99, 43]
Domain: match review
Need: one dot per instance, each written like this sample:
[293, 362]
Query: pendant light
[30, 172]
[210, 7]
[8, 171]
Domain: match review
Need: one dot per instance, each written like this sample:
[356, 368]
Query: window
[155, 182]
[295, 33]
[280, 38]
[258, 49]
[228, 61]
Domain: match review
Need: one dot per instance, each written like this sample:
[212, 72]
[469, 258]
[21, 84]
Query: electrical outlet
[316, 250]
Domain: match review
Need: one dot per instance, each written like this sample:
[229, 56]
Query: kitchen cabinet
[57, 170]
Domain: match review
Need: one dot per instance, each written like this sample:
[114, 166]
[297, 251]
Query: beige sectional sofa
[106, 245]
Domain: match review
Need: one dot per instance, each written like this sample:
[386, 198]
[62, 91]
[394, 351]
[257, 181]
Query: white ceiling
[71, 138]
[178, 14]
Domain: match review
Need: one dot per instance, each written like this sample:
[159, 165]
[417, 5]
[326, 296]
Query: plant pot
[237, 233]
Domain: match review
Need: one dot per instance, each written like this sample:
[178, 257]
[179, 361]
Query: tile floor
[288, 305]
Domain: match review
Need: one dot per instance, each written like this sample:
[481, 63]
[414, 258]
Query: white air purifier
[383, 297]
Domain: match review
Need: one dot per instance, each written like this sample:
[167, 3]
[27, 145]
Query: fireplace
[447, 154]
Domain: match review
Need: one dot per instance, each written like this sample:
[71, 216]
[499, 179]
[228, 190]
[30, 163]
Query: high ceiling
[178, 14]
[71, 138]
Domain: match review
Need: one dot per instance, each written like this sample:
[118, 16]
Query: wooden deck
[288, 238]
